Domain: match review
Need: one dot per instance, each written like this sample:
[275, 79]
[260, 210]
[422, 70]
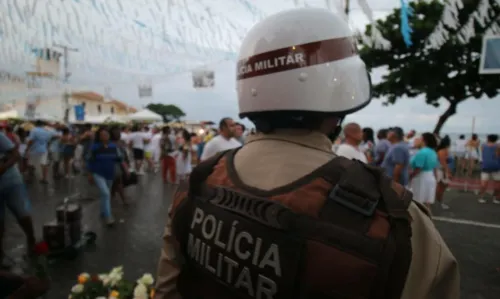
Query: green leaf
[168, 112]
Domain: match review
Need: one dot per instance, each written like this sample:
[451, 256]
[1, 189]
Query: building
[96, 105]
[53, 107]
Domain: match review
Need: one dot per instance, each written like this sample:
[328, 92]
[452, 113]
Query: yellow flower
[114, 294]
[82, 278]
[152, 293]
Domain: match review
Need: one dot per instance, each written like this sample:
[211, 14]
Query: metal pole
[66, 76]
[347, 6]
[66, 50]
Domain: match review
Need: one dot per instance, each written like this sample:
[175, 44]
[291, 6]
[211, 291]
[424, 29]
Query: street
[471, 230]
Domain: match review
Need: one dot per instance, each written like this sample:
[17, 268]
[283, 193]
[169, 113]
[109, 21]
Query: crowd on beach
[426, 162]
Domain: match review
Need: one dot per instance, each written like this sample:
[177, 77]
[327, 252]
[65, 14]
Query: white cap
[301, 60]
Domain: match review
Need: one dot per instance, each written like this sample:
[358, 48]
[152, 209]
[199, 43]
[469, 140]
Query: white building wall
[55, 109]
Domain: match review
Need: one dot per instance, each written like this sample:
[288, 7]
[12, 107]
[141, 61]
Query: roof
[88, 95]
[94, 96]
[122, 105]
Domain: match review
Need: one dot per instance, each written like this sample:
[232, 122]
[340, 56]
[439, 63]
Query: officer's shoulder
[422, 208]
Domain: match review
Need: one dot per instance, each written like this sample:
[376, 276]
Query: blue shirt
[381, 148]
[491, 162]
[425, 159]
[201, 145]
[40, 137]
[12, 175]
[102, 160]
[398, 154]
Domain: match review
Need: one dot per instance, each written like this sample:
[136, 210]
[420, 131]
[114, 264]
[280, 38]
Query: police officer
[285, 218]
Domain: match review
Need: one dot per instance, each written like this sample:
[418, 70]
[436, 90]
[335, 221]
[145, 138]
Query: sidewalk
[469, 184]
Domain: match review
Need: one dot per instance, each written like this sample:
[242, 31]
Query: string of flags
[450, 21]
[128, 40]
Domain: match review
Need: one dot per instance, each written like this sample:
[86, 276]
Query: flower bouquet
[39, 260]
[112, 286]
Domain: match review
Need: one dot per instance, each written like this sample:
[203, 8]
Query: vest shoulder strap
[201, 172]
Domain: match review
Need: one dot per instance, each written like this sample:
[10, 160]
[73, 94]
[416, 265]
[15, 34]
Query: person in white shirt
[125, 139]
[224, 141]
[149, 148]
[353, 138]
[411, 137]
[184, 156]
[155, 141]
[137, 140]
[460, 151]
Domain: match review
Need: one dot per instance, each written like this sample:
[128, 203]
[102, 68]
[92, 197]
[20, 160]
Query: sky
[125, 43]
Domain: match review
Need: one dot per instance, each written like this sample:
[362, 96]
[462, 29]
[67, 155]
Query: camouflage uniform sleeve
[169, 264]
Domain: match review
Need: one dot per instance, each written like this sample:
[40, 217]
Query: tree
[450, 72]
[168, 112]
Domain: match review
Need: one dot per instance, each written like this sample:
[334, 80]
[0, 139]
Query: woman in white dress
[423, 165]
[183, 160]
[460, 152]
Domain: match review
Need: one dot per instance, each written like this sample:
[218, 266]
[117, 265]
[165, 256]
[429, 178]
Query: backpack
[351, 238]
[168, 147]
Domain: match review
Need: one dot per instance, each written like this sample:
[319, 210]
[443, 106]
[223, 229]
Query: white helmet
[301, 60]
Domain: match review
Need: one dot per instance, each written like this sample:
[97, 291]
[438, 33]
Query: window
[112, 110]
[99, 108]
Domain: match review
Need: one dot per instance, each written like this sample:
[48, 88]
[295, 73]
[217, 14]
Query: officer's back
[433, 272]
[315, 226]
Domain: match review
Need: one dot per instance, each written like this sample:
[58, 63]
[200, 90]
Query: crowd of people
[424, 163]
[112, 155]
[299, 219]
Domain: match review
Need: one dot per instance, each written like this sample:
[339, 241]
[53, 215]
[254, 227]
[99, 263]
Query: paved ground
[471, 230]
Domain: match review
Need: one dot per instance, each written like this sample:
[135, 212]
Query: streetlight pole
[66, 76]
[66, 51]
[347, 5]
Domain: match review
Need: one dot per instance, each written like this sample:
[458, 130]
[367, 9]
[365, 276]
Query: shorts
[148, 154]
[15, 198]
[490, 176]
[440, 177]
[38, 159]
[138, 154]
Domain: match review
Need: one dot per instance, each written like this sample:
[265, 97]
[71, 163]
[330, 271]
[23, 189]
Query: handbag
[130, 179]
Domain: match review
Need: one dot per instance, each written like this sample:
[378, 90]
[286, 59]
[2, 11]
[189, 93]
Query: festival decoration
[112, 286]
[145, 90]
[376, 40]
[122, 44]
[450, 24]
[406, 12]
[10, 82]
[203, 78]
